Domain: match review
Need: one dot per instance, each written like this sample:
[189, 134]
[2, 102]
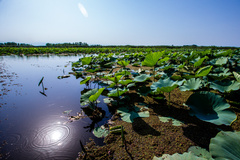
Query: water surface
[32, 125]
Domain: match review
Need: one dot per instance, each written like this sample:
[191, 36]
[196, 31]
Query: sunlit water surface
[32, 125]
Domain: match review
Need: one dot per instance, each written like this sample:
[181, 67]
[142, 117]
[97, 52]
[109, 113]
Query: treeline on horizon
[84, 44]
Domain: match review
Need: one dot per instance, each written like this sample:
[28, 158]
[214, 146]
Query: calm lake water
[32, 125]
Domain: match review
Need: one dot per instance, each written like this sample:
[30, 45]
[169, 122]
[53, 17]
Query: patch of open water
[32, 125]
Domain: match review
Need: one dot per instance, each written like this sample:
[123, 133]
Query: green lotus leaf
[203, 71]
[85, 80]
[221, 73]
[123, 73]
[166, 85]
[142, 78]
[165, 59]
[200, 152]
[168, 89]
[175, 122]
[113, 79]
[116, 93]
[191, 84]
[131, 85]
[85, 97]
[125, 82]
[221, 61]
[151, 59]
[210, 107]
[86, 60]
[237, 76]
[94, 97]
[129, 115]
[226, 145]
[108, 100]
[100, 132]
[200, 61]
[123, 63]
[93, 70]
[176, 156]
[225, 86]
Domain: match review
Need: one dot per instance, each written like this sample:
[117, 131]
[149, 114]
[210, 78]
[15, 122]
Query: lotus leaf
[85, 97]
[143, 91]
[166, 85]
[85, 80]
[237, 76]
[116, 93]
[94, 97]
[123, 73]
[221, 61]
[226, 86]
[174, 121]
[211, 108]
[200, 152]
[123, 63]
[221, 73]
[200, 61]
[151, 59]
[125, 82]
[191, 84]
[130, 115]
[176, 156]
[203, 71]
[142, 78]
[226, 145]
[100, 132]
[86, 60]
[114, 79]
[93, 70]
[131, 85]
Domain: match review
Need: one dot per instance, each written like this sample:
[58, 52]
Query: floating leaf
[191, 84]
[203, 71]
[94, 97]
[142, 78]
[226, 145]
[225, 86]
[210, 107]
[108, 100]
[67, 112]
[100, 132]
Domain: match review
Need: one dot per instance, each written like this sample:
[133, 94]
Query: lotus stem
[169, 102]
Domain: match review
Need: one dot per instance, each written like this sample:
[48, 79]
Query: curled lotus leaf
[191, 84]
[225, 86]
[116, 93]
[203, 71]
[166, 85]
[84, 100]
[210, 107]
[142, 78]
[237, 76]
[226, 145]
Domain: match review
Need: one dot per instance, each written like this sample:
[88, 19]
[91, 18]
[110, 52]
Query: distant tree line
[75, 44]
[14, 44]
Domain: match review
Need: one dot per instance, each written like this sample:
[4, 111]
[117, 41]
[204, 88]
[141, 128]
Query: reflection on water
[33, 126]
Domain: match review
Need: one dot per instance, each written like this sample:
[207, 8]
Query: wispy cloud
[83, 10]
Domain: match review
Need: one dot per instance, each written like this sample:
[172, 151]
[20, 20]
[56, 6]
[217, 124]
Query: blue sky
[121, 22]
